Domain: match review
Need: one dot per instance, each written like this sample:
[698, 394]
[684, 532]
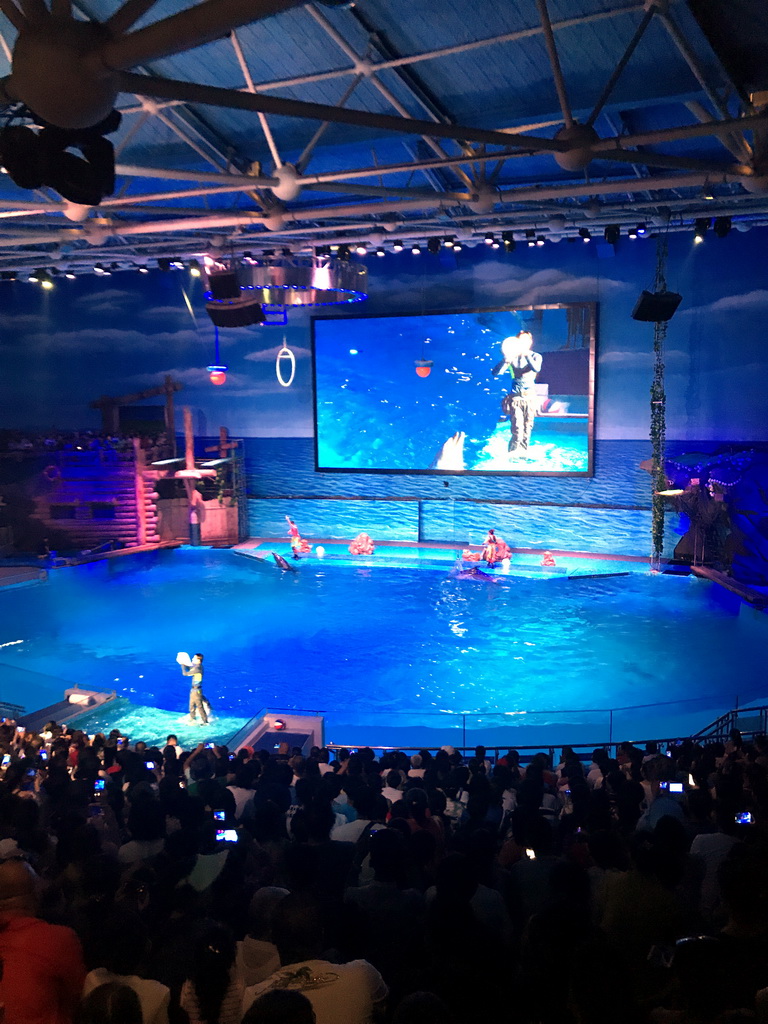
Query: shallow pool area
[393, 649]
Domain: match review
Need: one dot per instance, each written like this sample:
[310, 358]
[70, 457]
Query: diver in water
[521, 402]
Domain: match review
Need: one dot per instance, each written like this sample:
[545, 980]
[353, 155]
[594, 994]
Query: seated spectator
[111, 1003]
[281, 1007]
[213, 992]
[123, 947]
[42, 964]
[146, 823]
[347, 993]
[257, 955]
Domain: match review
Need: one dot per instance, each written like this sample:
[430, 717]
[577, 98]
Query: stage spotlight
[701, 226]
[632, 233]
[142, 269]
[706, 192]
[448, 241]
[433, 245]
[612, 233]
[416, 250]
[45, 280]
[540, 240]
[585, 234]
[531, 238]
[722, 226]
[333, 248]
[508, 239]
[397, 245]
[489, 238]
[361, 249]
[70, 276]
[194, 268]
[642, 229]
[343, 253]
[34, 276]
[164, 264]
[381, 252]
[495, 244]
[457, 246]
[101, 270]
[8, 275]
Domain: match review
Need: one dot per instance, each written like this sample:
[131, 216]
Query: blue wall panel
[383, 520]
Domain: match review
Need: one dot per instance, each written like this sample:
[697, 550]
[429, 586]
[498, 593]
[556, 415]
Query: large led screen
[487, 391]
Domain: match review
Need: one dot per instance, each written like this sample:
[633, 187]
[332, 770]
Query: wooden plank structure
[110, 407]
[85, 498]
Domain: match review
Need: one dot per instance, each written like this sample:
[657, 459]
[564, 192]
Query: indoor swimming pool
[389, 650]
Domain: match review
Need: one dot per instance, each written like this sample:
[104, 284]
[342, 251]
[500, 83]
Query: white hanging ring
[285, 353]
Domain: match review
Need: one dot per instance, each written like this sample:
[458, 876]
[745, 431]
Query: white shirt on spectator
[153, 996]
[351, 995]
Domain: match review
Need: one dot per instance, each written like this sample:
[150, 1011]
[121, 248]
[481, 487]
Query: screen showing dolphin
[485, 391]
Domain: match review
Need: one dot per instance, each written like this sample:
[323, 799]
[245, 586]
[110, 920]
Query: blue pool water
[383, 650]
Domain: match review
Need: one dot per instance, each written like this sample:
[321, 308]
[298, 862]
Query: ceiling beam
[191, 92]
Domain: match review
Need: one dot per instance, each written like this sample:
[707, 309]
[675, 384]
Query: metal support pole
[189, 28]
[554, 60]
[617, 71]
[252, 88]
[692, 60]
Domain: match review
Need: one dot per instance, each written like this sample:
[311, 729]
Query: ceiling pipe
[191, 92]
[605, 188]
[618, 70]
[127, 15]
[693, 62]
[554, 62]
[171, 174]
[186, 30]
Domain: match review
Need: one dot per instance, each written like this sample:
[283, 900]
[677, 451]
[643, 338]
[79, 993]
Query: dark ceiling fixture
[721, 226]
[612, 233]
[37, 157]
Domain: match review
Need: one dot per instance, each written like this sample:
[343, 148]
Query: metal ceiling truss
[284, 209]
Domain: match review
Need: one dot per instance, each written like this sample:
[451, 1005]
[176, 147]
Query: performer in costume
[521, 401]
[197, 701]
[299, 546]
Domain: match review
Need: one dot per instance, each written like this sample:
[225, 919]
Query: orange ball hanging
[218, 377]
[423, 367]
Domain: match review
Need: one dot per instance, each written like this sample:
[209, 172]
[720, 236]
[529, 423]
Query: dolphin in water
[459, 572]
[281, 563]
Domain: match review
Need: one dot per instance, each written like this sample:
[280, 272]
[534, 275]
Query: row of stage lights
[507, 241]
[721, 226]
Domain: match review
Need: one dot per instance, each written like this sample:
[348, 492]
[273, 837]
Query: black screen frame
[589, 472]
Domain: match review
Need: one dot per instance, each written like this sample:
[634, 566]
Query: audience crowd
[80, 441]
[141, 885]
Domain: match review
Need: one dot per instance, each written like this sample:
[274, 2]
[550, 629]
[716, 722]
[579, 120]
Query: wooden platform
[13, 575]
[755, 597]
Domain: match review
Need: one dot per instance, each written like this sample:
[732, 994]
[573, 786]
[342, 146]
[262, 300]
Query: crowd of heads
[273, 887]
[101, 441]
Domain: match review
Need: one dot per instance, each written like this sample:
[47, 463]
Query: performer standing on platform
[298, 544]
[521, 401]
[197, 702]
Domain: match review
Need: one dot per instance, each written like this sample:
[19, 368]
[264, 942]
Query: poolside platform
[442, 556]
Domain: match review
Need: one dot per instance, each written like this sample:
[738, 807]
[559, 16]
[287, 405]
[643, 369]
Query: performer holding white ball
[197, 701]
[521, 402]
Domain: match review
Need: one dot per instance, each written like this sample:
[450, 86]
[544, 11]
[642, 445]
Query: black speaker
[224, 285]
[656, 307]
[236, 313]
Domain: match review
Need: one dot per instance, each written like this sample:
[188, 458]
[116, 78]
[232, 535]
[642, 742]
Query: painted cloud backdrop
[59, 350]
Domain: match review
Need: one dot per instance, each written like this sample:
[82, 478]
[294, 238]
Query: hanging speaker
[656, 307]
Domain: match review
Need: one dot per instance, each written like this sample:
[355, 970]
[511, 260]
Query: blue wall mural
[94, 336]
